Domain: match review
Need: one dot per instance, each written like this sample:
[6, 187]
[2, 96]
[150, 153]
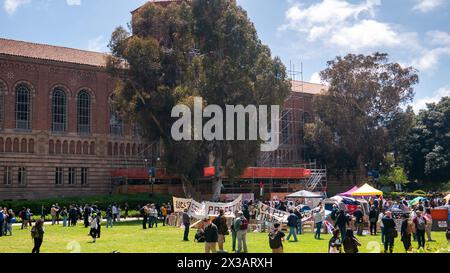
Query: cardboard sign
[180, 204]
[271, 215]
[197, 210]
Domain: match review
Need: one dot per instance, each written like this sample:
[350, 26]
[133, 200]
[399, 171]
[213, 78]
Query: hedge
[102, 202]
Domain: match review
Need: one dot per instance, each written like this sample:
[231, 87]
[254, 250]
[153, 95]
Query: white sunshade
[304, 194]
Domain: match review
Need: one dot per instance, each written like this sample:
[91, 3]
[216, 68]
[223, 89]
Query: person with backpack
[276, 238]
[241, 226]
[406, 231]
[221, 223]
[211, 236]
[389, 231]
[350, 242]
[292, 224]
[37, 234]
[420, 222]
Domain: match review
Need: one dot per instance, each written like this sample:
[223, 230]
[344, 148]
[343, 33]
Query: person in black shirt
[211, 236]
[373, 219]
[276, 238]
[406, 231]
[358, 214]
[389, 232]
[342, 221]
[187, 223]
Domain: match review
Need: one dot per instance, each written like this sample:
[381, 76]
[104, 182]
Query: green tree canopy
[197, 48]
[427, 148]
[360, 111]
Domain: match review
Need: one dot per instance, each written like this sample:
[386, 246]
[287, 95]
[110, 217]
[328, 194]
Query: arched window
[115, 121]
[59, 111]
[2, 105]
[23, 107]
[84, 112]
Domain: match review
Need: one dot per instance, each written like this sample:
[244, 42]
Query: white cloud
[438, 37]
[73, 2]
[97, 44]
[427, 5]
[12, 5]
[366, 34]
[430, 58]
[420, 104]
[315, 78]
[346, 25]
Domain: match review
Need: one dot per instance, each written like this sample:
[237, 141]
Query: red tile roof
[52, 53]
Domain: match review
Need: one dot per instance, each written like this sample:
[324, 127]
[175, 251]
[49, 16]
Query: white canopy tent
[304, 194]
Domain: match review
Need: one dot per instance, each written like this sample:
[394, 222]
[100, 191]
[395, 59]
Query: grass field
[129, 237]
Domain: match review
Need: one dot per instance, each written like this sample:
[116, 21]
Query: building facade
[59, 134]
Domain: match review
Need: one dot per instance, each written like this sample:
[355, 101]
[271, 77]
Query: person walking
[389, 232]
[359, 221]
[10, 219]
[406, 231]
[86, 214]
[234, 231]
[350, 242]
[335, 243]
[53, 212]
[299, 223]
[115, 212]
[221, 222]
[276, 238]
[242, 227]
[373, 218]
[420, 223]
[164, 214]
[144, 212]
[342, 221]
[187, 223]
[380, 221]
[211, 236]
[37, 234]
[319, 215]
[292, 224]
[94, 226]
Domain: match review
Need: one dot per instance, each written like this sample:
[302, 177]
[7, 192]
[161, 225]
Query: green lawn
[131, 238]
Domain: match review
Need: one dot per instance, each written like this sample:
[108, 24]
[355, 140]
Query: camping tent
[366, 190]
[349, 192]
[447, 198]
[304, 194]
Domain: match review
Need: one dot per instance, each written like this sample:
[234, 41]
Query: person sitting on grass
[334, 245]
[276, 238]
[350, 242]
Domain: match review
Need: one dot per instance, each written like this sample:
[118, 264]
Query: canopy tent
[416, 201]
[349, 192]
[304, 194]
[367, 190]
[447, 198]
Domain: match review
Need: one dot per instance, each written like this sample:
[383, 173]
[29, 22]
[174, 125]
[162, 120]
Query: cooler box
[441, 219]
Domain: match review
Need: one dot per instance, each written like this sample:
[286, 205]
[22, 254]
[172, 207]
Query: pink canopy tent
[349, 192]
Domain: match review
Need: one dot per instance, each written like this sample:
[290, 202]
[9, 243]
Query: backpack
[274, 240]
[421, 223]
[200, 237]
[244, 224]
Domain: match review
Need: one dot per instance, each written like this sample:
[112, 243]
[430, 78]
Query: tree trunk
[187, 187]
[216, 189]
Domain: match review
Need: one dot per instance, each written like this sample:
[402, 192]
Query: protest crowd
[344, 217]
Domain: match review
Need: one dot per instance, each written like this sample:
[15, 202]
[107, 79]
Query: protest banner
[180, 204]
[233, 196]
[212, 208]
[197, 210]
[268, 214]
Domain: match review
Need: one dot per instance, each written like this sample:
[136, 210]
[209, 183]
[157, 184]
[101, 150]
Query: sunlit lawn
[131, 238]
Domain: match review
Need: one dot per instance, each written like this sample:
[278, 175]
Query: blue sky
[413, 32]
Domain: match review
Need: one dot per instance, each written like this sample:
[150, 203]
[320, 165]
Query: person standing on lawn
[241, 234]
[276, 238]
[342, 221]
[319, 215]
[109, 217]
[164, 213]
[86, 214]
[406, 232]
[64, 215]
[389, 232]
[144, 212]
[420, 222]
[94, 226]
[125, 208]
[72, 216]
[292, 224]
[234, 231]
[299, 223]
[211, 236]
[37, 234]
[359, 222]
[43, 213]
[429, 219]
[58, 210]
[380, 220]
[221, 222]
[187, 223]
[115, 212]
[153, 216]
[373, 218]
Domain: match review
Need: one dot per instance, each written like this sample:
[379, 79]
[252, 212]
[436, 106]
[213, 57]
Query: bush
[102, 202]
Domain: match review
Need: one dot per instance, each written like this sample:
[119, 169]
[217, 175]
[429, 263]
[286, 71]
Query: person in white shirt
[115, 212]
[380, 218]
[319, 215]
